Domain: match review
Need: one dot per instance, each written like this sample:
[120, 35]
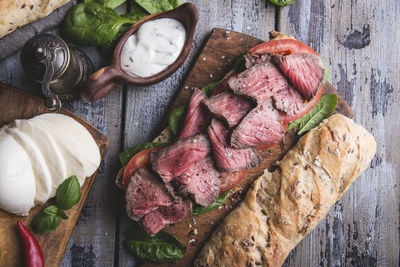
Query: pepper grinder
[61, 70]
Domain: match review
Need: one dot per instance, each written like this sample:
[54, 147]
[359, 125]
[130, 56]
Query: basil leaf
[62, 214]
[240, 64]
[127, 154]
[207, 90]
[163, 247]
[282, 2]
[47, 220]
[108, 3]
[221, 200]
[176, 119]
[154, 6]
[321, 111]
[68, 193]
[93, 24]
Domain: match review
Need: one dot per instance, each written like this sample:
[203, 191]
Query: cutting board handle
[101, 83]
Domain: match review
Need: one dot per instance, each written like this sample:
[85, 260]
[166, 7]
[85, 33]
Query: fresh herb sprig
[221, 200]
[163, 247]
[321, 111]
[67, 195]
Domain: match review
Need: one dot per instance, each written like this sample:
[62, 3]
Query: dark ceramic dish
[108, 78]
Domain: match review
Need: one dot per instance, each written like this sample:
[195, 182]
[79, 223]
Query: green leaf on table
[154, 6]
[68, 193]
[47, 220]
[93, 24]
[108, 3]
[62, 214]
[326, 105]
[221, 200]
[282, 2]
[176, 119]
[163, 247]
[127, 154]
[207, 90]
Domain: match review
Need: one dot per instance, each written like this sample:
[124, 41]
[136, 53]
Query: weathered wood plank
[361, 46]
[146, 106]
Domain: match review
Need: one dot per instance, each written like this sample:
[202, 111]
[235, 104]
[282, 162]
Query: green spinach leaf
[68, 193]
[127, 154]
[327, 74]
[108, 3]
[207, 90]
[47, 220]
[221, 200]
[154, 6]
[162, 247]
[321, 111]
[295, 123]
[282, 2]
[176, 119]
[93, 24]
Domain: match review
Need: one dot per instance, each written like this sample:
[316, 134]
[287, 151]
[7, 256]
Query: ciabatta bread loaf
[17, 13]
[282, 207]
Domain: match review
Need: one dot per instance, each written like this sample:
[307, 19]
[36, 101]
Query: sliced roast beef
[258, 82]
[197, 119]
[228, 106]
[305, 72]
[259, 127]
[144, 194]
[253, 59]
[174, 160]
[158, 219]
[227, 158]
[201, 181]
[288, 100]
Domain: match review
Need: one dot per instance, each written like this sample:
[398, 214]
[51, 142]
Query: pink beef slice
[155, 221]
[305, 71]
[259, 127]
[144, 194]
[289, 100]
[201, 181]
[228, 106]
[258, 82]
[197, 119]
[253, 59]
[227, 158]
[174, 160]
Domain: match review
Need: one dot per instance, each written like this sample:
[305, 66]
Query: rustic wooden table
[360, 41]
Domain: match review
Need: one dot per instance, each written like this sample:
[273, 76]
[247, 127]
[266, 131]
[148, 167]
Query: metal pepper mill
[60, 69]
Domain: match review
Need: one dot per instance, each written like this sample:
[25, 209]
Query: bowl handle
[101, 83]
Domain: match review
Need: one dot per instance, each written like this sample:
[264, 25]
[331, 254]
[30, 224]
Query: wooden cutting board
[221, 50]
[17, 104]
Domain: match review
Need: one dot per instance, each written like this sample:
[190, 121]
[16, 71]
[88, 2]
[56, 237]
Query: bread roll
[17, 13]
[282, 207]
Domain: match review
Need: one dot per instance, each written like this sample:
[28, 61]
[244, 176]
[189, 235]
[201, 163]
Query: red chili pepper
[32, 250]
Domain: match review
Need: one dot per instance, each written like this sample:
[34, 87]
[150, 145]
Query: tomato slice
[284, 118]
[283, 47]
[139, 160]
[231, 179]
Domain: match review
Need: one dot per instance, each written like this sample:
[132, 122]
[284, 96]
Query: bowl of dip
[150, 51]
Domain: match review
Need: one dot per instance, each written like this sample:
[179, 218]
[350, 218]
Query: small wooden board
[18, 104]
[216, 59]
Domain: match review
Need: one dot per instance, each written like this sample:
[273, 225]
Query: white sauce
[154, 46]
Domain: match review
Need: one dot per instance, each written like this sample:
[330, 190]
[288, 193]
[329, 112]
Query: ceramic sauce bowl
[103, 81]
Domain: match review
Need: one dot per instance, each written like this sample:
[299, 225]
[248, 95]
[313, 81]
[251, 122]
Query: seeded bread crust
[282, 207]
[17, 13]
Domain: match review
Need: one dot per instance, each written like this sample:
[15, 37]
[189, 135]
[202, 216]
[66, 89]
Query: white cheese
[17, 181]
[39, 166]
[49, 149]
[76, 144]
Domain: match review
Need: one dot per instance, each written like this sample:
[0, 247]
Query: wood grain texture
[53, 245]
[360, 43]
